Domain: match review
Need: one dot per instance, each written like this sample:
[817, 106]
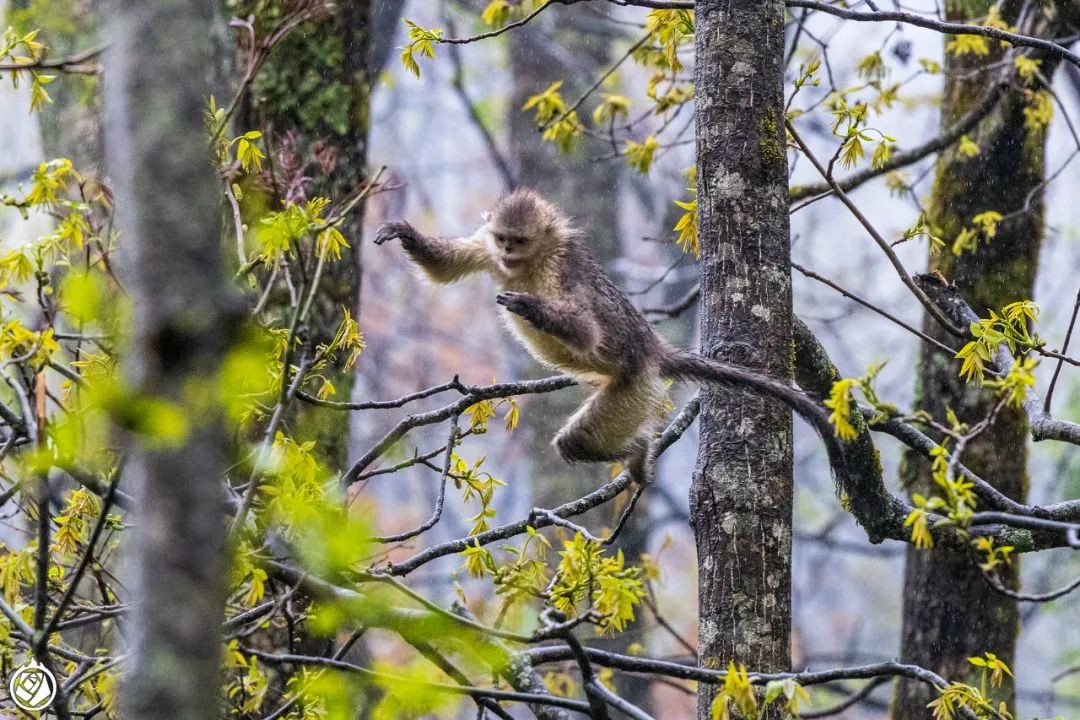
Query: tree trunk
[950, 613]
[167, 210]
[741, 498]
[315, 91]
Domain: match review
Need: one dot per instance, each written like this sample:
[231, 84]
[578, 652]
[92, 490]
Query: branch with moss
[881, 514]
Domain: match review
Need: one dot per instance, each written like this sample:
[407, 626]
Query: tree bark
[315, 91]
[167, 210]
[949, 612]
[741, 498]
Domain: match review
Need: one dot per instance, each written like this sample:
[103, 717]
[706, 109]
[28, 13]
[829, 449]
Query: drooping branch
[881, 514]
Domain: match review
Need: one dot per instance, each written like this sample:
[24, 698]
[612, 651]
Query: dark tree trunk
[167, 210]
[385, 24]
[315, 89]
[950, 613]
[741, 499]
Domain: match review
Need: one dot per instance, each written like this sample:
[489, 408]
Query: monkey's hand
[389, 231]
[525, 305]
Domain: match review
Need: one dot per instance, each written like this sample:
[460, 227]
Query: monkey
[569, 314]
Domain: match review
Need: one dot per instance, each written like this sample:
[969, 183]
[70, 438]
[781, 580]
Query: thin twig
[905, 277]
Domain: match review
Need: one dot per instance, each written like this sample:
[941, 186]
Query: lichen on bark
[741, 498]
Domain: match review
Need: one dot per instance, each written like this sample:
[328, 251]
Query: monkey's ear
[486, 216]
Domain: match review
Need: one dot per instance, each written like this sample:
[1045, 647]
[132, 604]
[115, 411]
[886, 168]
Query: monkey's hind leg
[614, 424]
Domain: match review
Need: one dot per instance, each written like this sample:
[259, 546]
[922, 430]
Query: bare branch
[946, 28]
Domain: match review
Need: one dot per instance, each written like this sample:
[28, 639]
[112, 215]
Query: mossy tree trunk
[741, 499]
[950, 613]
[313, 94]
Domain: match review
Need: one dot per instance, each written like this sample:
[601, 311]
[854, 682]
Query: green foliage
[738, 694]
[24, 49]
[957, 696]
[588, 580]
[475, 484]
[849, 123]
[500, 12]
[1039, 110]
[247, 152]
[527, 576]
[407, 694]
[842, 397]
[1012, 326]
[872, 67]
[921, 228]
[422, 41]
[611, 106]
[560, 125]
[808, 76]
[966, 147]
[280, 232]
[993, 556]
[1027, 68]
[1013, 388]
[978, 45]
[687, 225]
[984, 227]
[640, 155]
[957, 502]
[672, 29]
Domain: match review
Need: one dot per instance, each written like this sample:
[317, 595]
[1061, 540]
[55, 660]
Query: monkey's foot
[389, 231]
[642, 467]
[574, 449]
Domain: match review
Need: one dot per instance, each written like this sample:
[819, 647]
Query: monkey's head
[523, 227]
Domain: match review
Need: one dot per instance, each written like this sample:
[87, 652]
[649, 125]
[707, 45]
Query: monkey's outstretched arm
[443, 260]
[564, 323]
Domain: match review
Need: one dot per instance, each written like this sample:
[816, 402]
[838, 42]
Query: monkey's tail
[688, 366]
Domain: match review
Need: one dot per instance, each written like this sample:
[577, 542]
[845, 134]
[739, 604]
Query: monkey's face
[514, 249]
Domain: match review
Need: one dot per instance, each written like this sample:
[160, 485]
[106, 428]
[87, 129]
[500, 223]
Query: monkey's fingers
[513, 301]
[390, 231]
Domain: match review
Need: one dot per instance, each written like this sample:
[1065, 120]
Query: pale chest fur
[544, 347]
